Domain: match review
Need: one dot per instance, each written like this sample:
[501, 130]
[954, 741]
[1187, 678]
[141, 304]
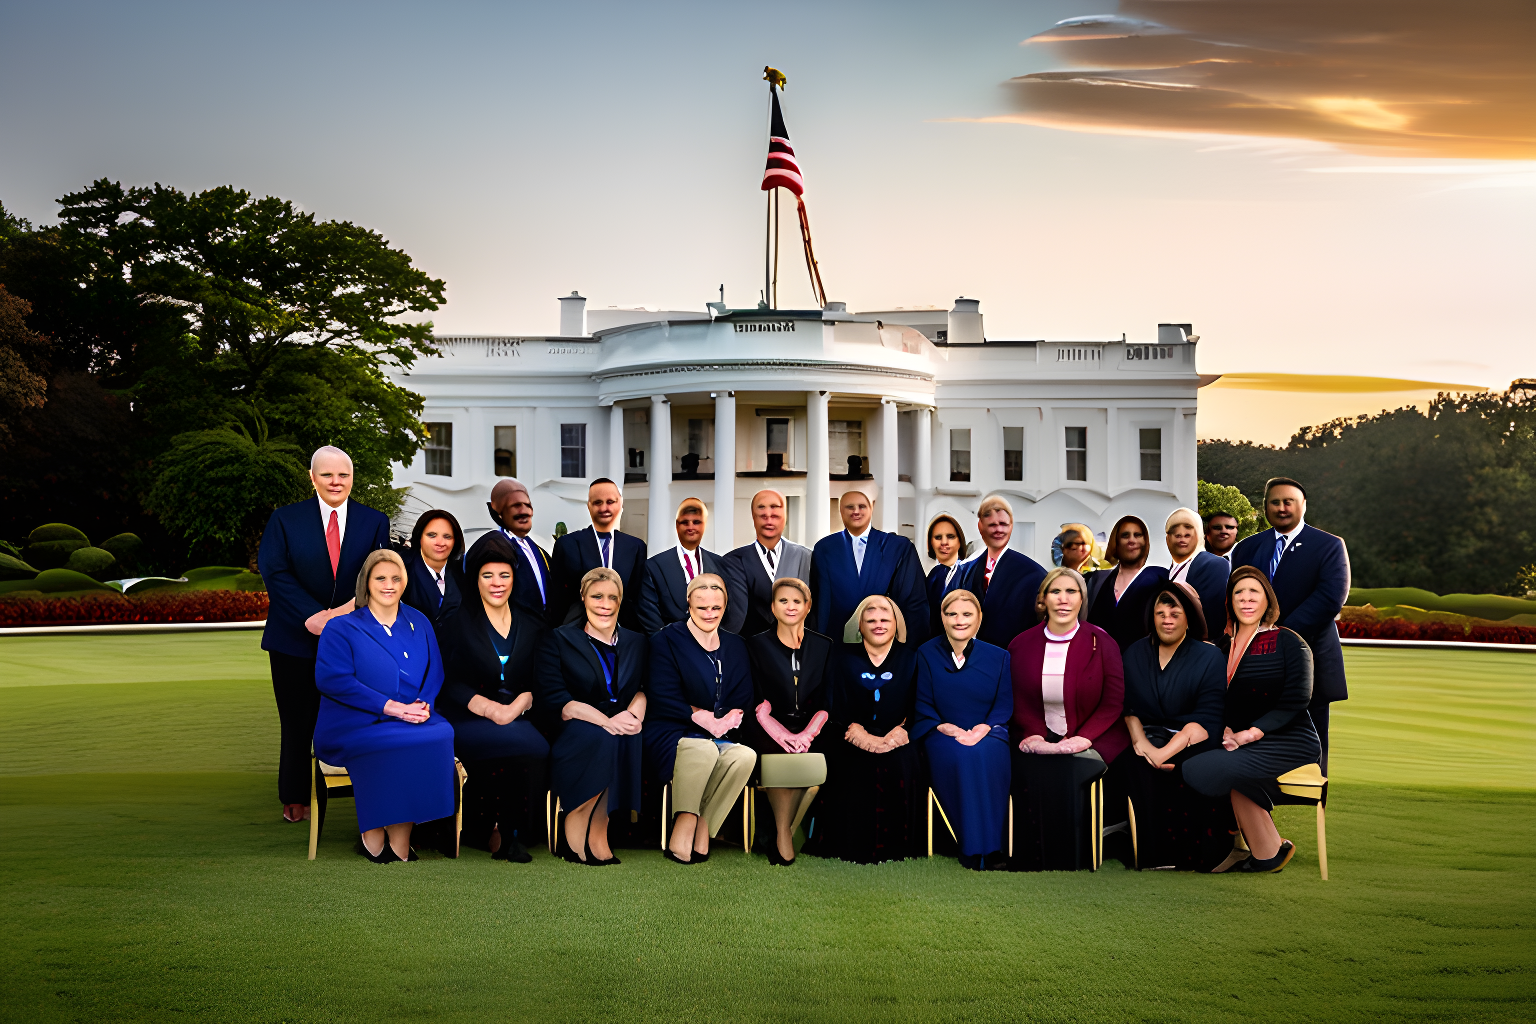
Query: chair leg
[746, 819]
[549, 825]
[1010, 826]
[930, 821]
[666, 816]
[1096, 823]
[458, 805]
[1322, 843]
[314, 806]
[1130, 810]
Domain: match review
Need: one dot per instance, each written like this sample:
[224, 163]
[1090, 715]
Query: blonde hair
[1188, 517]
[602, 574]
[856, 621]
[959, 595]
[689, 503]
[373, 559]
[793, 584]
[1051, 577]
[706, 581]
[994, 503]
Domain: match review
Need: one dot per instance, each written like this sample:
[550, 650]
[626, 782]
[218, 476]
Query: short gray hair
[329, 449]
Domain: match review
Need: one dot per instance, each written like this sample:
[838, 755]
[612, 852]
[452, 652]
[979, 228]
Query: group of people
[836, 679]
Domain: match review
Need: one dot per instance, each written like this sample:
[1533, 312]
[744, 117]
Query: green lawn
[148, 877]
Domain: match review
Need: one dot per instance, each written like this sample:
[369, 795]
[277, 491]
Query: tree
[23, 362]
[1219, 498]
[219, 486]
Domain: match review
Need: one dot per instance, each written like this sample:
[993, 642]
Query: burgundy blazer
[1093, 686]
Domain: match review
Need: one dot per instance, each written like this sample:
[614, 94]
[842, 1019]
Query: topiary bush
[128, 548]
[50, 545]
[97, 563]
[56, 531]
[12, 568]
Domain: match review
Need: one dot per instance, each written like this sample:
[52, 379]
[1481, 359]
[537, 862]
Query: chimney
[965, 323]
[1174, 334]
[573, 316]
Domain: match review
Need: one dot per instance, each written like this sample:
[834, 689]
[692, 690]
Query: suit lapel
[1079, 654]
[677, 582]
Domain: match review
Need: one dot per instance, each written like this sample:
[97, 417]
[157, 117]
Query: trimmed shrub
[128, 549]
[110, 608]
[53, 554]
[57, 581]
[97, 563]
[15, 569]
[56, 531]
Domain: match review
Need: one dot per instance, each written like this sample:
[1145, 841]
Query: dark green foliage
[52, 554]
[56, 581]
[1440, 500]
[128, 549]
[1216, 498]
[24, 363]
[96, 563]
[13, 568]
[56, 531]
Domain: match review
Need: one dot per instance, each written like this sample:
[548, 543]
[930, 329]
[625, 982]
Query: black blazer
[1193, 688]
[664, 587]
[851, 694]
[421, 590]
[296, 568]
[1126, 619]
[793, 706]
[471, 665]
[750, 609]
[1007, 603]
[569, 670]
[1312, 584]
[577, 554]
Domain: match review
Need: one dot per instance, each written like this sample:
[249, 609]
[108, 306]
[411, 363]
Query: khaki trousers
[707, 779]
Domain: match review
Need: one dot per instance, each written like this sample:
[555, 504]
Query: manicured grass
[147, 877]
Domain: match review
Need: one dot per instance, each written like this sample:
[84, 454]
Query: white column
[888, 506]
[922, 458]
[818, 495]
[723, 520]
[617, 460]
[662, 532]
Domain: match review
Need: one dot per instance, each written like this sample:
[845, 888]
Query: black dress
[1176, 825]
[587, 759]
[1125, 619]
[871, 808]
[796, 696]
[505, 764]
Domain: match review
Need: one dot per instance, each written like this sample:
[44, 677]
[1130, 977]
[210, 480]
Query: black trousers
[298, 705]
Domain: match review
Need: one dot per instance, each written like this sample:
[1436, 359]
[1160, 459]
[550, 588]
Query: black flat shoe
[674, 858]
[412, 858]
[384, 856]
[512, 850]
[570, 857]
[605, 863]
[1273, 865]
[777, 859]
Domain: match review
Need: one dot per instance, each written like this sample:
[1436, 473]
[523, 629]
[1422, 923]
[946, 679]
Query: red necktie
[333, 542]
[689, 563]
[986, 581]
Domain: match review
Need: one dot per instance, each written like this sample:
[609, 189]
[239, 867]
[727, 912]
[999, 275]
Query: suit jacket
[1125, 619]
[569, 670]
[421, 590]
[577, 554]
[1312, 583]
[525, 589]
[296, 567]
[749, 610]
[682, 678]
[471, 665]
[890, 568]
[1093, 688]
[663, 589]
[1008, 603]
[1207, 574]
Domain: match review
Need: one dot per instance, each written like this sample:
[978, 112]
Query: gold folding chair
[1308, 785]
[328, 781]
[747, 808]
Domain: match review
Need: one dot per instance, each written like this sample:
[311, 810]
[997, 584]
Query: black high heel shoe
[674, 858]
[386, 854]
[1273, 865]
[776, 858]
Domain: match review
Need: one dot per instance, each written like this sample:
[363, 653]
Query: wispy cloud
[1425, 78]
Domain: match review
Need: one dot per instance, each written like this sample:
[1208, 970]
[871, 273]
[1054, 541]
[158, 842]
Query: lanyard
[496, 642]
[794, 669]
[608, 670]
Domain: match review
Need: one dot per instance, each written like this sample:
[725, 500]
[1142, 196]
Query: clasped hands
[966, 737]
[1232, 740]
[791, 742]
[1154, 755]
[717, 727]
[865, 740]
[316, 622]
[414, 713]
[625, 723]
[1039, 745]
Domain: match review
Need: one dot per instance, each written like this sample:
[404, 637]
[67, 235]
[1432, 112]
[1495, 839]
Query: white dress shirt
[1290, 538]
[1053, 679]
[1178, 570]
[770, 565]
[532, 556]
[683, 558]
[325, 516]
[860, 544]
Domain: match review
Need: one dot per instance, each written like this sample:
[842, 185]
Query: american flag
[783, 171]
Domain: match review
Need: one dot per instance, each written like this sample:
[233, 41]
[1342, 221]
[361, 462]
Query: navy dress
[685, 676]
[401, 771]
[586, 759]
[971, 782]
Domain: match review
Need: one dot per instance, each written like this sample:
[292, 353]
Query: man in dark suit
[750, 570]
[1006, 581]
[1309, 569]
[663, 593]
[857, 561]
[1221, 536]
[309, 559]
[1201, 570]
[601, 544]
[511, 510]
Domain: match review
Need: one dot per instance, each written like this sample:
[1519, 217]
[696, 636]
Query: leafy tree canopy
[1220, 498]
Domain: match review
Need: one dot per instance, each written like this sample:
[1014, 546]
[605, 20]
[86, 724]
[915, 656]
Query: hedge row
[1402, 629]
[153, 607]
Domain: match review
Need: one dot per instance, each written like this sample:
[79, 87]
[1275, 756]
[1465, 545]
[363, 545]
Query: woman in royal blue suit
[592, 673]
[964, 702]
[378, 671]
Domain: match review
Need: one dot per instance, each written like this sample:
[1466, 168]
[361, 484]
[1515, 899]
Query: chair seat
[1307, 782]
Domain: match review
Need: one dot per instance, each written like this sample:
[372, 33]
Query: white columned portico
[616, 458]
[661, 532]
[818, 494]
[922, 458]
[888, 512]
[723, 519]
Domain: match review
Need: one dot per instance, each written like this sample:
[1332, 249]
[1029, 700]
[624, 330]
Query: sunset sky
[1317, 190]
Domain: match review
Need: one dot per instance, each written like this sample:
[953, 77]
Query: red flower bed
[111, 609]
[1402, 629]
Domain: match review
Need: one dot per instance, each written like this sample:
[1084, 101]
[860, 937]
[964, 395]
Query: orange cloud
[1426, 78]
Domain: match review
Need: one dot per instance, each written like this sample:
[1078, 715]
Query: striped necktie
[1274, 560]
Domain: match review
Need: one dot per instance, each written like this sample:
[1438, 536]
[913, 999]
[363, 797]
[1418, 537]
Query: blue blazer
[1008, 604]
[357, 675]
[890, 568]
[1312, 584]
[683, 678]
[421, 590]
[296, 568]
[980, 692]
[1208, 575]
[576, 554]
[664, 588]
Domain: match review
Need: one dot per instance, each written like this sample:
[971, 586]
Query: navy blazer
[1312, 584]
[1207, 574]
[890, 568]
[569, 671]
[1125, 619]
[296, 567]
[1008, 603]
[683, 678]
[664, 588]
[576, 554]
[421, 590]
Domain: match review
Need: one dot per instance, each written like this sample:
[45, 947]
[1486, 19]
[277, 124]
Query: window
[439, 449]
[1151, 453]
[1077, 453]
[960, 455]
[845, 447]
[637, 441]
[506, 451]
[778, 437]
[1013, 453]
[573, 449]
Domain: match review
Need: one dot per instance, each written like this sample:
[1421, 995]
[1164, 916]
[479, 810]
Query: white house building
[917, 407]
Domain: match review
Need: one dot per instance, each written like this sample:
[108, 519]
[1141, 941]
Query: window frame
[578, 447]
[1080, 452]
[959, 473]
[439, 448]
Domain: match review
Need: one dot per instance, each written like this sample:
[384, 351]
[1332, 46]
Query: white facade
[1067, 431]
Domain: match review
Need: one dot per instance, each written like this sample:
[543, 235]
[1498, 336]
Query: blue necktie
[1274, 560]
[606, 563]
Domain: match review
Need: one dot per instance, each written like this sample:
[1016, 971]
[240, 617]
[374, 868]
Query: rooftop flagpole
[783, 171]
